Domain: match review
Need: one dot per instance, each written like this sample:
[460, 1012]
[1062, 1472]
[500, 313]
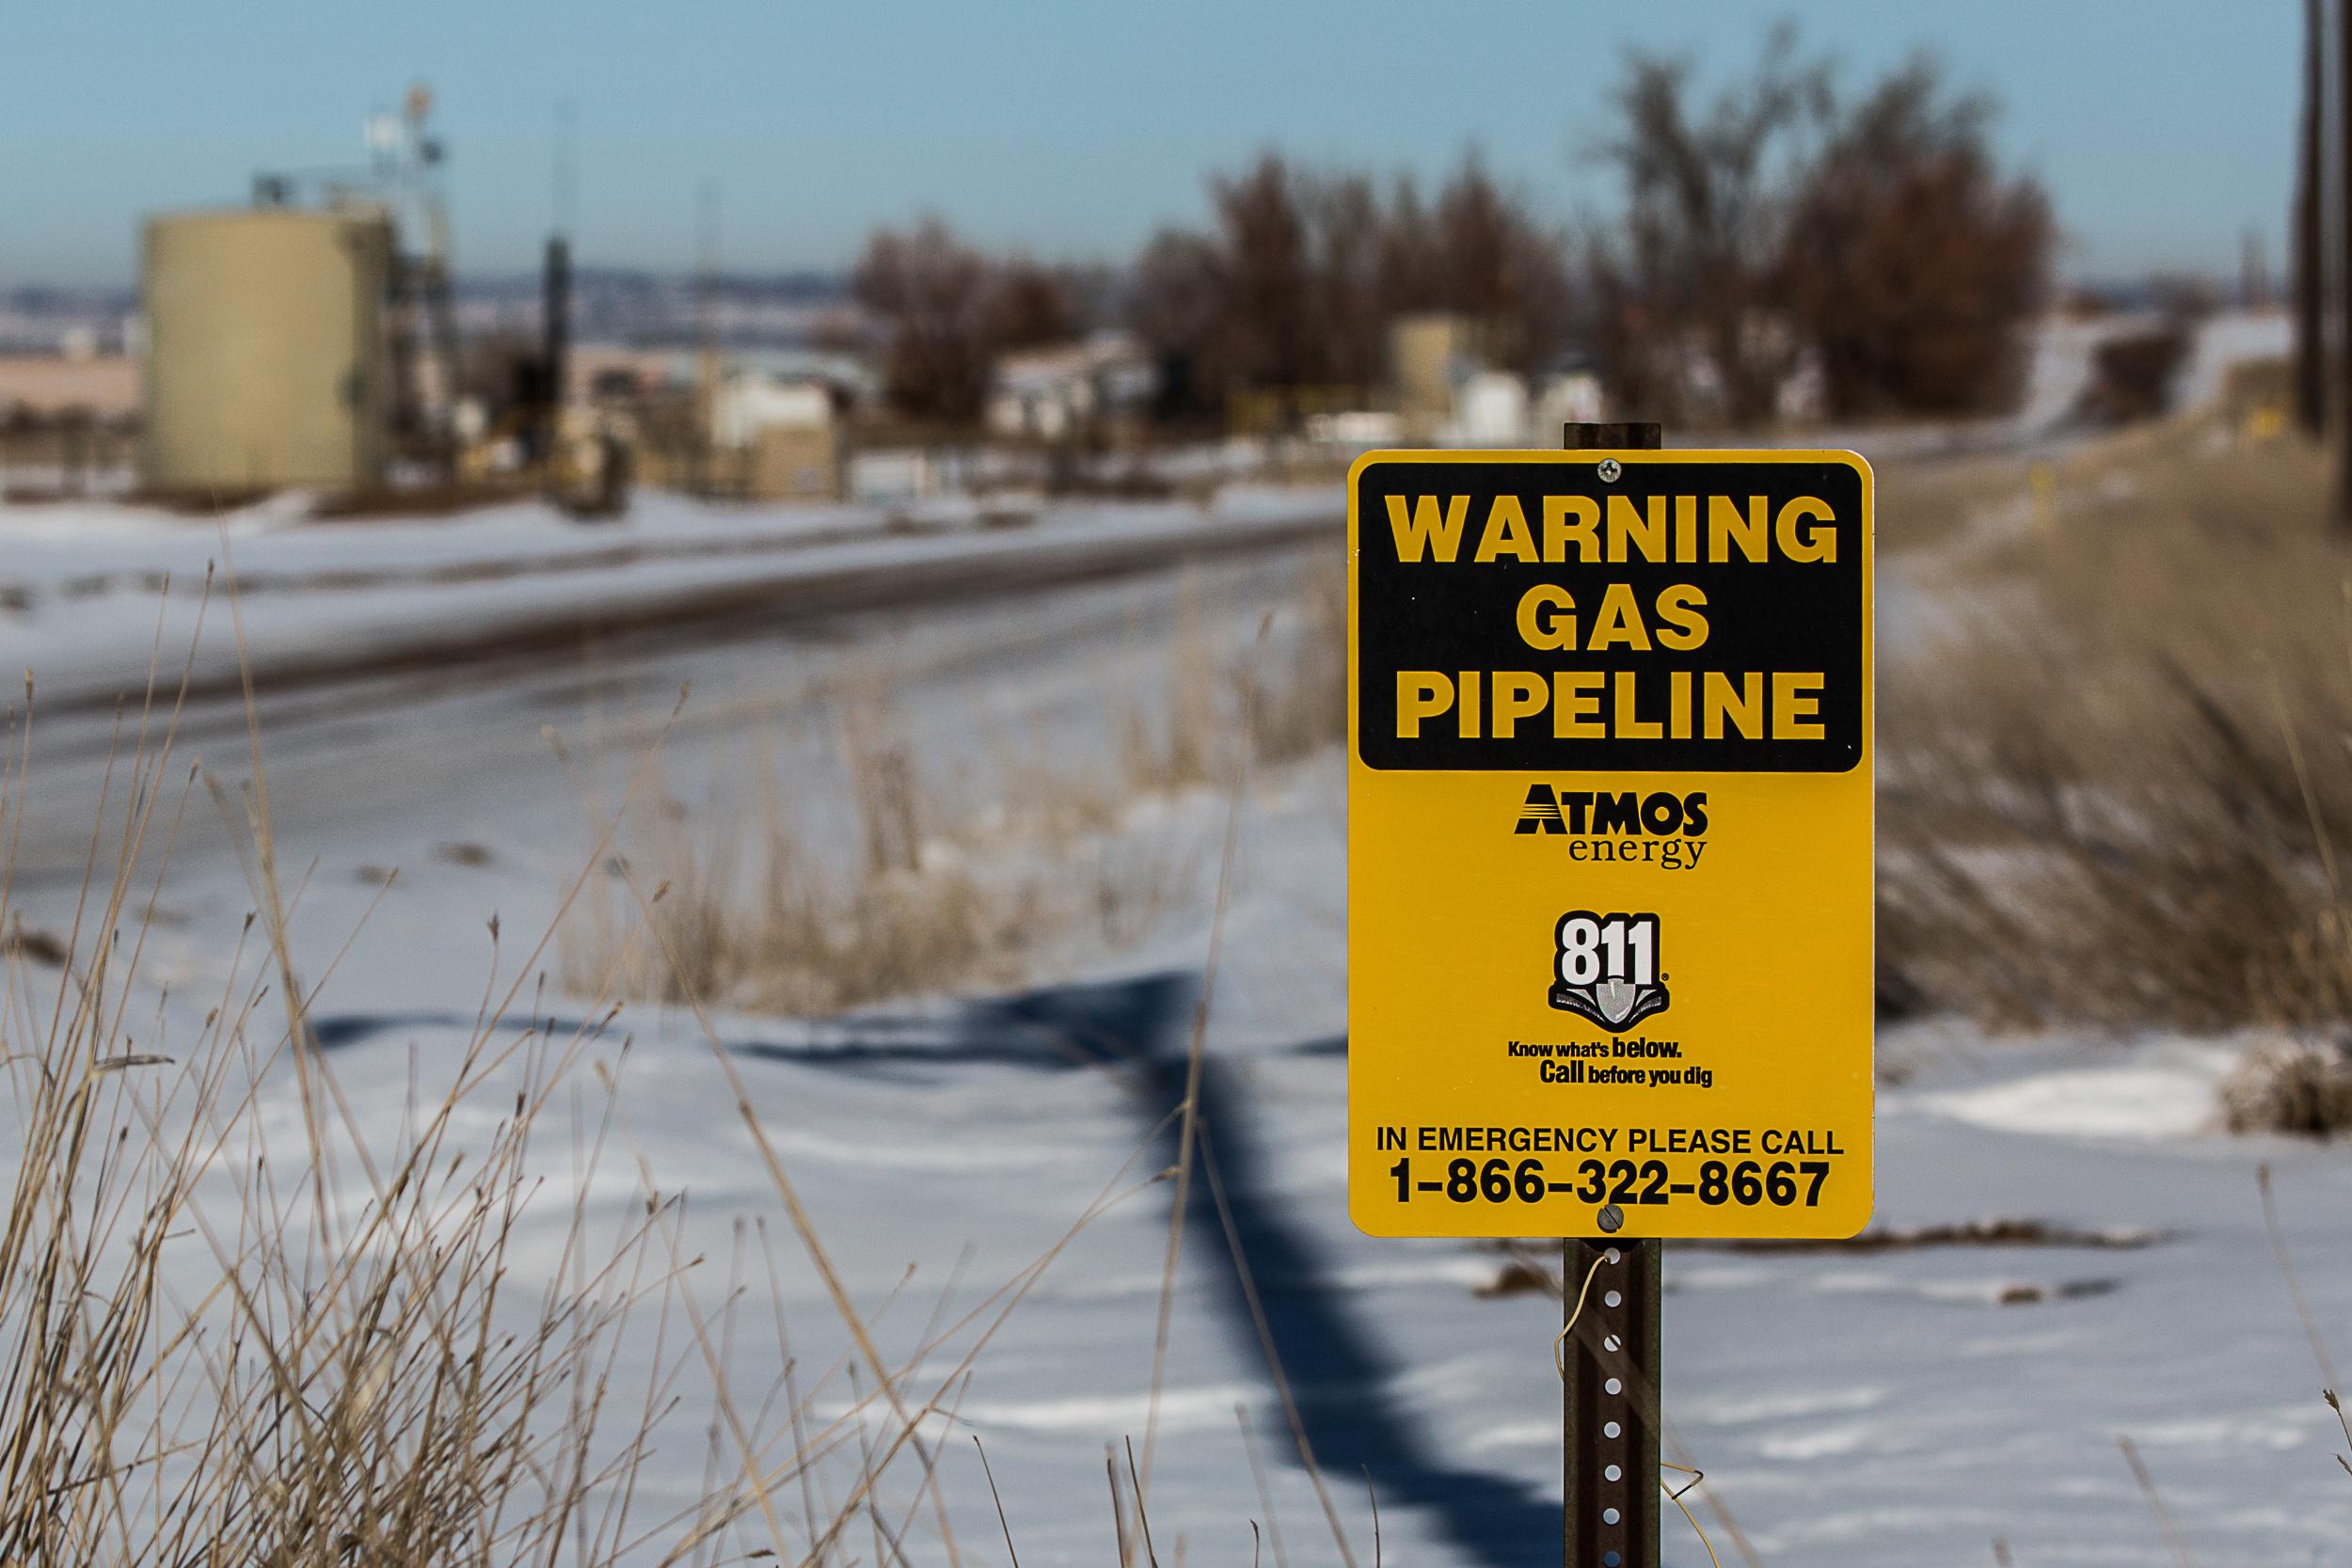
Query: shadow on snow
[1237, 1224]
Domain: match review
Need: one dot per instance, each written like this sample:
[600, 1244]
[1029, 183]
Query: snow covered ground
[81, 583]
[1909, 1405]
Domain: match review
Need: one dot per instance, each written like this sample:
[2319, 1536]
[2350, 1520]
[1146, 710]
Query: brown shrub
[1913, 260]
[2300, 1086]
[2132, 375]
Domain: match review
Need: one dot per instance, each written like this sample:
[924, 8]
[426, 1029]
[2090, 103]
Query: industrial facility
[307, 342]
[311, 339]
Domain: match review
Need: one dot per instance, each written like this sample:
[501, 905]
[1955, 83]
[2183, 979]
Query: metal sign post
[1612, 1350]
[1609, 1406]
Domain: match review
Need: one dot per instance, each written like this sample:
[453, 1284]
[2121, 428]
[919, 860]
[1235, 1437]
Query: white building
[1049, 393]
[749, 400]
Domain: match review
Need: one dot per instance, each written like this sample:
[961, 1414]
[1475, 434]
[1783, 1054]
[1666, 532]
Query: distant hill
[610, 305]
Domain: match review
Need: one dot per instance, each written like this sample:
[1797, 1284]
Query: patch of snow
[2150, 1095]
[1518, 1434]
[2225, 340]
[1465, 1273]
[2276, 1428]
[1829, 1442]
[1787, 1406]
[1180, 1410]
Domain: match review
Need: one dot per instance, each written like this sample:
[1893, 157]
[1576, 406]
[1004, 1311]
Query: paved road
[981, 650]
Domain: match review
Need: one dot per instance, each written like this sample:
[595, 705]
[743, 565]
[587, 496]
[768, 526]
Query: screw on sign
[1610, 882]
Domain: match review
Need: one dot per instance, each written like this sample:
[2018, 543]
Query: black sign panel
[1623, 612]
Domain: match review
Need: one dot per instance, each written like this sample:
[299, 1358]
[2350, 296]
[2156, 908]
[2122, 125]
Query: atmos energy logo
[1606, 968]
[1660, 828]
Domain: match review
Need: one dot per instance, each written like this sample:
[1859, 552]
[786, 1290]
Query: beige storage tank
[1430, 359]
[267, 362]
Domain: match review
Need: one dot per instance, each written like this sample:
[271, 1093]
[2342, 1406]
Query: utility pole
[2344, 261]
[706, 329]
[555, 341]
[555, 298]
[2311, 250]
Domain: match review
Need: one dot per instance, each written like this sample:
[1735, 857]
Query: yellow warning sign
[1609, 843]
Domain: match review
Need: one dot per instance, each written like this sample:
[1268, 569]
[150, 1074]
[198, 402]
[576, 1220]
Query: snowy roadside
[81, 584]
[1907, 1403]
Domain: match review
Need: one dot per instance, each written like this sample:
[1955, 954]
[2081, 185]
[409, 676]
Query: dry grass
[1931, 504]
[2119, 792]
[232, 1335]
[215, 1351]
[1298, 704]
[938, 898]
[742, 910]
[244, 1320]
[1187, 743]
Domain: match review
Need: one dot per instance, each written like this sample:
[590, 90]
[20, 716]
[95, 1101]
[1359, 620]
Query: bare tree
[1304, 271]
[1911, 261]
[1284, 292]
[1351, 316]
[1268, 319]
[1412, 273]
[1692, 281]
[1175, 303]
[1030, 305]
[1498, 265]
[933, 291]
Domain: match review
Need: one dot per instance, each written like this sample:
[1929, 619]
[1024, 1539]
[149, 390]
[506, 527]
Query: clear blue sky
[2163, 127]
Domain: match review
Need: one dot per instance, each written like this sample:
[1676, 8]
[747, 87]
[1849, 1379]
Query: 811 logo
[1606, 968]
